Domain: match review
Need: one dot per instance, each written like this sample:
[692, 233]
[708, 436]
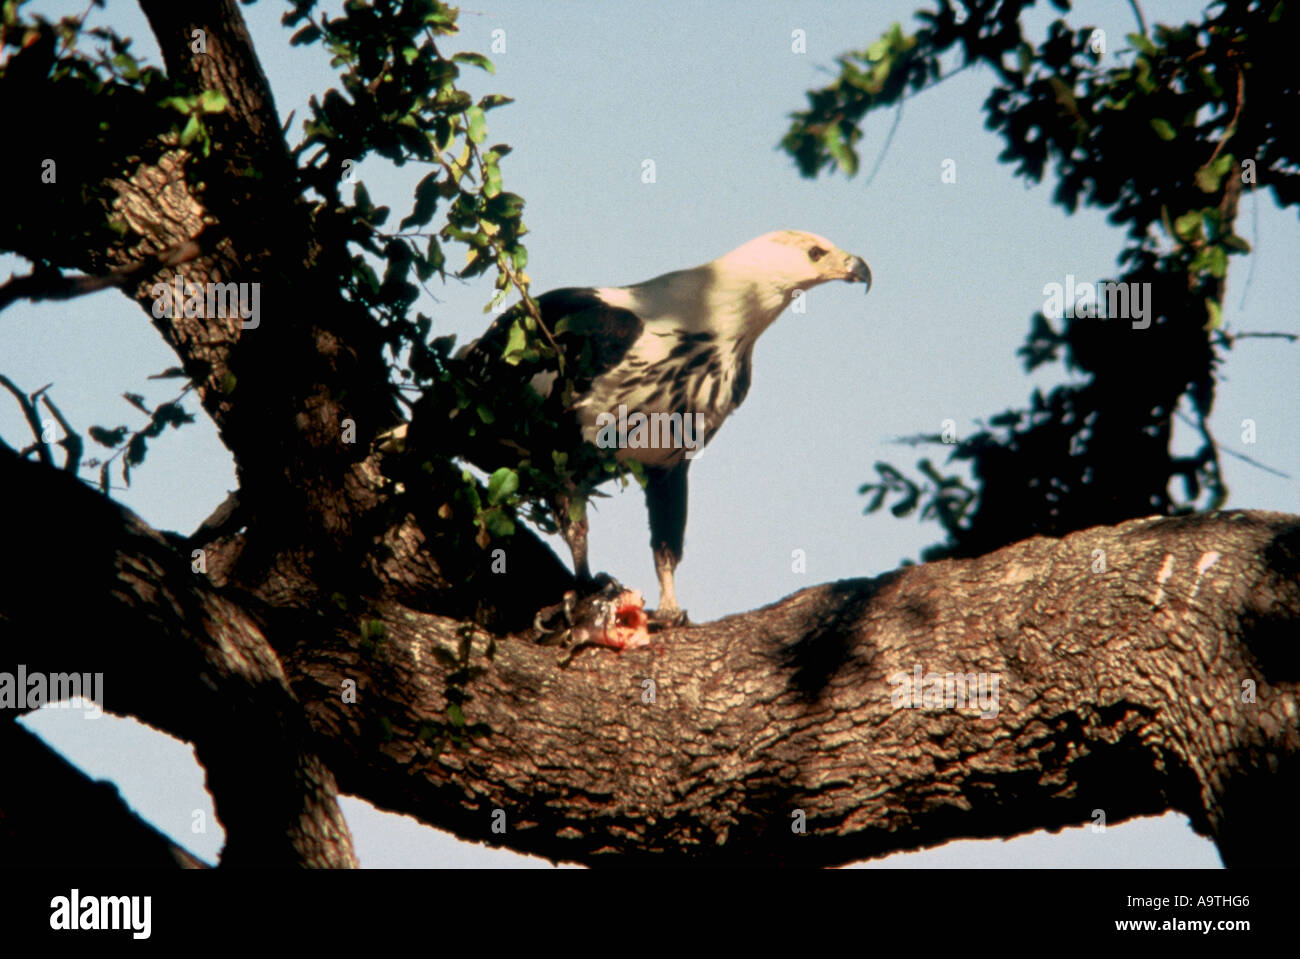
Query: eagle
[653, 369]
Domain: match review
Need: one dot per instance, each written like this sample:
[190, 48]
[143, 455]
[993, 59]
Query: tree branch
[1120, 690]
[53, 813]
[174, 653]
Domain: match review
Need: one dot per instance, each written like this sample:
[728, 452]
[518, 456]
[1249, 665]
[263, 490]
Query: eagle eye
[816, 253]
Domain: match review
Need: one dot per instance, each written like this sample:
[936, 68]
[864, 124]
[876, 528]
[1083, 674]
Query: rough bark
[1119, 690]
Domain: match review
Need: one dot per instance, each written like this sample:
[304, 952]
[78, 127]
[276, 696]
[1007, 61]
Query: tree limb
[53, 813]
[1122, 657]
[175, 653]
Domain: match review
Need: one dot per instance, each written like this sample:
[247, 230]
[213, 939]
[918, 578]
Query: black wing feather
[593, 336]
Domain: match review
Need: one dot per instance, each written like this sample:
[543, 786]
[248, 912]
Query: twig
[48, 283]
[1236, 114]
[33, 419]
[884, 149]
[1205, 434]
[71, 439]
[1264, 336]
[1137, 12]
[1254, 245]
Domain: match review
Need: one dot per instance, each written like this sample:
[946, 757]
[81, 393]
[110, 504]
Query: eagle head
[795, 260]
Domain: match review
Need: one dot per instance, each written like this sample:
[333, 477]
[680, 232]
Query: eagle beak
[856, 270]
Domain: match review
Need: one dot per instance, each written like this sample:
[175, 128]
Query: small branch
[1204, 430]
[1261, 336]
[1137, 12]
[889, 138]
[1254, 245]
[32, 417]
[1236, 115]
[71, 441]
[48, 283]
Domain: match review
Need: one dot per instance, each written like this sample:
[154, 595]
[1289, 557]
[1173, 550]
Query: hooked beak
[856, 270]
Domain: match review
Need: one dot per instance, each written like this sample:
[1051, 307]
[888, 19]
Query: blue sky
[704, 92]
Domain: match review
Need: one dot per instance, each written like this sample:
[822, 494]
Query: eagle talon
[549, 635]
[671, 618]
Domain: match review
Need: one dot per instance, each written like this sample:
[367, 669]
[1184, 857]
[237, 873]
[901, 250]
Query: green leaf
[1188, 225]
[1143, 78]
[135, 451]
[172, 372]
[502, 483]
[1212, 259]
[1164, 129]
[308, 34]
[1207, 179]
[516, 344]
[491, 178]
[503, 206]
[193, 130]
[210, 101]
[426, 202]
[455, 715]
[110, 438]
[477, 125]
[499, 524]
[136, 400]
[840, 151]
[1216, 314]
[1142, 43]
[471, 491]
[475, 59]
[1218, 261]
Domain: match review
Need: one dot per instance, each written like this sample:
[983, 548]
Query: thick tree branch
[52, 813]
[1119, 690]
[1140, 668]
[173, 652]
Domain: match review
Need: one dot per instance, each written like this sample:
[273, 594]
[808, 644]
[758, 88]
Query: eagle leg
[571, 518]
[665, 498]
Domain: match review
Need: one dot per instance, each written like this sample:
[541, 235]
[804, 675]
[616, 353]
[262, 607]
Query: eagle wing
[593, 337]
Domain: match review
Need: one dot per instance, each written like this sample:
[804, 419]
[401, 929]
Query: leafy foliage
[400, 100]
[1166, 141]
